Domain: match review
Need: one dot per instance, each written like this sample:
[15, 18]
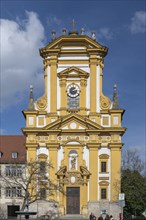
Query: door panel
[73, 200]
[11, 210]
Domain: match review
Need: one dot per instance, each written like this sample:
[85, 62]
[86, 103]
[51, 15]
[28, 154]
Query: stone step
[72, 217]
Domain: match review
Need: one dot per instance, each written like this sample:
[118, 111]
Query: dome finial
[53, 35]
[93, 35]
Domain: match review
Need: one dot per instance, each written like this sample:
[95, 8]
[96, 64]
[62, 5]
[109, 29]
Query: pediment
[73, 122]
[73, 72]
[74, 42]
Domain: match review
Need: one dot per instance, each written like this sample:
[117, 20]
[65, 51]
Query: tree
[134, 187]
[131, 160]
[31, 182]
[133, 184]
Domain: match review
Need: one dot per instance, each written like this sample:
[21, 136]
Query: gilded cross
[73, 24]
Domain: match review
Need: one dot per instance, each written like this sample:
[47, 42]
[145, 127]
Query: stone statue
[73, 162]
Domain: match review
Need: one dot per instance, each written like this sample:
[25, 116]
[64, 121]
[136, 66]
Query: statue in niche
[73, 162]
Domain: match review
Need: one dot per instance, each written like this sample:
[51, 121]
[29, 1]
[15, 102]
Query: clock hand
[74, 89]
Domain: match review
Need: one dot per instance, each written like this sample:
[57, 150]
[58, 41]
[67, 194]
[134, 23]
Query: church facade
[76, 127]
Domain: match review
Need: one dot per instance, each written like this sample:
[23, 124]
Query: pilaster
[93, 65]
[115, 170]
[101, 65]
[46, 77]
[83, 85]
[93, 161]
[63, 104]
[53, 169]
[31, 152]
[53, 84]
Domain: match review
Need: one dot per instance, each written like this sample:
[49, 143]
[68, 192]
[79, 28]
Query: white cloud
[3, 131]
[20, 60]
[138, 22]
[103, 33]
[53, 20]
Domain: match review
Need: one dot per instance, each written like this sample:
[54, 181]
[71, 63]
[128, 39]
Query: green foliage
[134, 186]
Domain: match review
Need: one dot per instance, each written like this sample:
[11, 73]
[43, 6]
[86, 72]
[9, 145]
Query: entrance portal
[73, 200]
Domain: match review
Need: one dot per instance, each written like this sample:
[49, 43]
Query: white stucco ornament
[73, 125]
[72, 179]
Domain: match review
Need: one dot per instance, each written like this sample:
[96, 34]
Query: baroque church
[76, 127]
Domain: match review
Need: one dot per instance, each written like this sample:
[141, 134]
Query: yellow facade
[74, 124]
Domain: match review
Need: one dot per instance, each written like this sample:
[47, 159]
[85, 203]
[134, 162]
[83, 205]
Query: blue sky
[120, 25]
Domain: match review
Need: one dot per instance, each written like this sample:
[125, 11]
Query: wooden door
[12, 209]
[73, 200]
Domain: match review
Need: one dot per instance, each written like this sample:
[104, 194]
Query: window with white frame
[1, 154]
[13, 192]
[103, 166]
[42, 193]
[42, 167]
[103, 193]
[14, 155]
[14, 171]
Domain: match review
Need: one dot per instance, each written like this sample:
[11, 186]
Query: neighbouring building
[12, 160]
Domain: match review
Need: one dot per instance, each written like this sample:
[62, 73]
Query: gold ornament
[42, 103]
[105, 102]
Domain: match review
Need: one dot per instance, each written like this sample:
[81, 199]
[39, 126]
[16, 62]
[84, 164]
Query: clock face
[73, 91]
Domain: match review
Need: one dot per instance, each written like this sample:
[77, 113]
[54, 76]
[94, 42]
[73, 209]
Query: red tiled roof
[12, 143]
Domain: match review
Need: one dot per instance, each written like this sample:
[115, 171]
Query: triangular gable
[83, 122]
[73, 72]
[73, 40]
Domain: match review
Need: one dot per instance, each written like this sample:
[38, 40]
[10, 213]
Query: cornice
[39, 131]
[115, 145]
[29, 112]
[55, 46]
[52, 145]
[33, 112]
[121, 111]
[93, 146]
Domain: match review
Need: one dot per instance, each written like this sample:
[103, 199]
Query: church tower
[76, 127]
